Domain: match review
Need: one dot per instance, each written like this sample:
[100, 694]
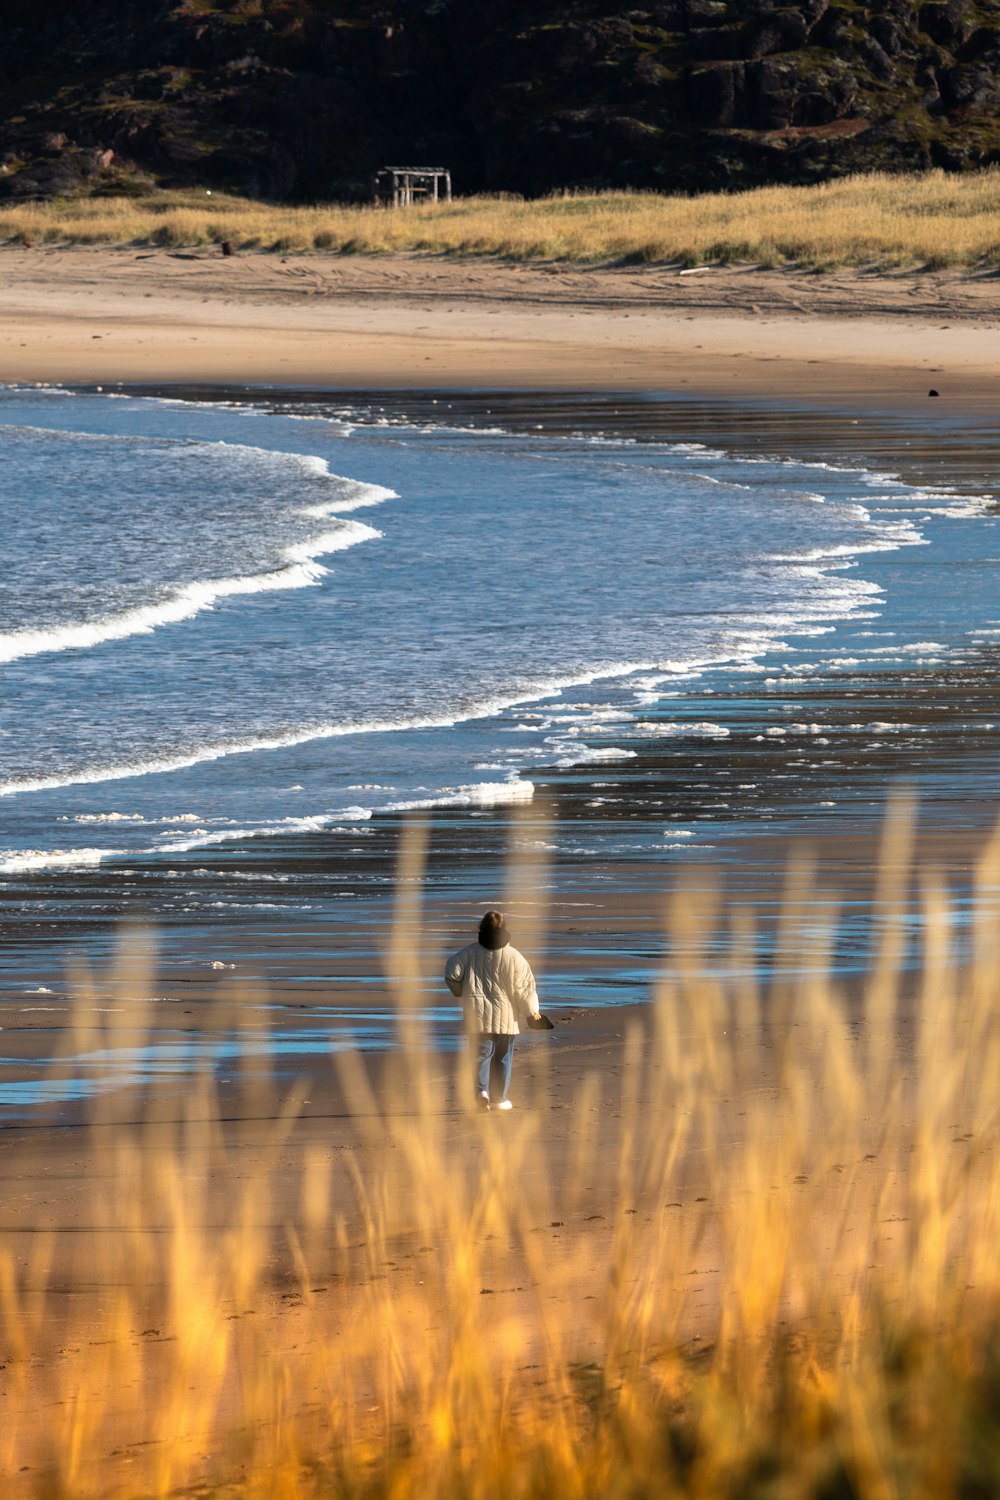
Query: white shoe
[484, 1101]
[505, 1104]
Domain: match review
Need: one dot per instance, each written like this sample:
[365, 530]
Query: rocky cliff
[302, 99]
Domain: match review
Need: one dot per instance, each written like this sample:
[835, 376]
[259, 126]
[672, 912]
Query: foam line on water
[300, 569]
[294, 566]
[282, 827]
[483, 794]
[24, 860]
[95, 775]
[745, 652]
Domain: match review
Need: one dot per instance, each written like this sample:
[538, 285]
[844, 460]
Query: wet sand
[580, 1183]
[284, 1114]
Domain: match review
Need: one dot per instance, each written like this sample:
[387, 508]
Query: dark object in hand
[540, 1023]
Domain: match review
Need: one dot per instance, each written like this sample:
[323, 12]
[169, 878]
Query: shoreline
[325, 871]
[52, 913]
[599, 933]
[107, 316]
[47, 1165]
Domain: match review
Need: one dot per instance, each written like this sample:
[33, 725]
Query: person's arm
[525, 994]
[454, 974]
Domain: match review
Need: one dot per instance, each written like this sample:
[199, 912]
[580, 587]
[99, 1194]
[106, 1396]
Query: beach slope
[99, 316]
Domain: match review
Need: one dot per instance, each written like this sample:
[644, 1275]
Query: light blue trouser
[495, 1059]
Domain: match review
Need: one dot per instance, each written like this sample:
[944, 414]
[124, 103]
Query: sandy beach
[328, 322]
[102, 317]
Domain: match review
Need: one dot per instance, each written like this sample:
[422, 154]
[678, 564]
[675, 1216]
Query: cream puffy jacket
[496, 987]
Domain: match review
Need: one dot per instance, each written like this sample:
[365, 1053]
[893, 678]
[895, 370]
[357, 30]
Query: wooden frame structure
[403, 186]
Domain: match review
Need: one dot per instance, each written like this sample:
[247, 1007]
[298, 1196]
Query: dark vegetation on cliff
[300, 100]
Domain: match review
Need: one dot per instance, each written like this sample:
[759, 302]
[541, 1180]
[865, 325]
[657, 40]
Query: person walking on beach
[497, 989]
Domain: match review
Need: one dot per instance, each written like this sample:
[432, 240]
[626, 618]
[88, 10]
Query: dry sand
[403, 322]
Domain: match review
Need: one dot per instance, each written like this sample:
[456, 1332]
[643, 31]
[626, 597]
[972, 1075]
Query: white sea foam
[109, 817]
[157, 765]
[203, 838]
[481, 794]
[848, 550]
[16, 863]
[707, 730]
[299, 570]
[700, 450]
[969, 507]
[363, 496]
[651, 729]
[900, 650]
[297, 564]
[581, 755]
[583, 716]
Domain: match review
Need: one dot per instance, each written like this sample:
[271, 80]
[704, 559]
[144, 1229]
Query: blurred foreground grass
[926, 220]
[752, 1255]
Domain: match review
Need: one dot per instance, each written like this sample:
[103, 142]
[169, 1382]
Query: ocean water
[236, 631]
[223, 620]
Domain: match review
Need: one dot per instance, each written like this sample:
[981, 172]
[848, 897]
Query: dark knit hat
[493, 931]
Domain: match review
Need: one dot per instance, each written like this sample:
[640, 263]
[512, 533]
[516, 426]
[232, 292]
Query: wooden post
[405, 186]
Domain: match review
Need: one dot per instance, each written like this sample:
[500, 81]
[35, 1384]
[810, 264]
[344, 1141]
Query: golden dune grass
[928, 220]
[828, 1183]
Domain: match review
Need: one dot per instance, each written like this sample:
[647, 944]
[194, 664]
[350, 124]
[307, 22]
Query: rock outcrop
[303, 99]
